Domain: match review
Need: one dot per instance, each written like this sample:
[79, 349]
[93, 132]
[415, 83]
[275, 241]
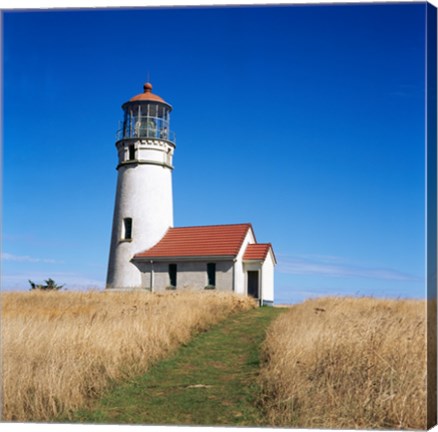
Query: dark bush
[50, 285]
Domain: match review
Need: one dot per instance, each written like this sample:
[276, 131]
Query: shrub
[50, 285]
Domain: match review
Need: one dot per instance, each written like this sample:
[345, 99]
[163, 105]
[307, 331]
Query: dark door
[253, 284]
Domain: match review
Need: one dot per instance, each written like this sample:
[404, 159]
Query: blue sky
[307, 121]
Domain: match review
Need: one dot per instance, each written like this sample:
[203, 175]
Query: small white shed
[221, 257]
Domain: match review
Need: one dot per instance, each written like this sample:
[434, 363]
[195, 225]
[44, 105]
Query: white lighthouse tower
[143, 207]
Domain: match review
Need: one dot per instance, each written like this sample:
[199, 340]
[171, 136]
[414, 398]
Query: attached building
[221, 257]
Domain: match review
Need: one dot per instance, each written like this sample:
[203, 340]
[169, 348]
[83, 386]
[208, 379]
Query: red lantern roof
[147, 95]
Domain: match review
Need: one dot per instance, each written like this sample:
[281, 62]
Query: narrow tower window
[131, 155]
[211, 274]
[127, 228]
[172, 275]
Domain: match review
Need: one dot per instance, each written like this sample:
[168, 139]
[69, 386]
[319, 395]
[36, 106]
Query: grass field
[62, 349]
[212, 380]
[325, 363]
[347, 363]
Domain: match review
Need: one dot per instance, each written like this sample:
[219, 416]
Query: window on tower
[127, 229]
[131, 151]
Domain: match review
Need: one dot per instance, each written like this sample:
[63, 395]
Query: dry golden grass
[347, 363]
[61, 349]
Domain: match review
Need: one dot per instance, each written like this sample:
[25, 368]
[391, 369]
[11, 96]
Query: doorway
[253, 284]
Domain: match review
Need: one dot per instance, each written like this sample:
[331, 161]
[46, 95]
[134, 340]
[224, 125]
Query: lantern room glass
[146, 120]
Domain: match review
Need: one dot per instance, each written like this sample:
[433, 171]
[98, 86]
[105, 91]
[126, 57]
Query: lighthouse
[147, 252]
[143, 210]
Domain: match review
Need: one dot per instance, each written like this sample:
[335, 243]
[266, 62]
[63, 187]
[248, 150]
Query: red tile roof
[199, 241]
[257, 251]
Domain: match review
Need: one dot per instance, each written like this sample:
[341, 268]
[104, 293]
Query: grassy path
[210, 381]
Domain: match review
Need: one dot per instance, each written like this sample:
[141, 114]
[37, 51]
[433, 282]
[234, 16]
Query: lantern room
[146, 116]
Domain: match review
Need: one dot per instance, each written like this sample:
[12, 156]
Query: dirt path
[210, 381]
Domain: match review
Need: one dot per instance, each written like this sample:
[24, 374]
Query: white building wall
[239, 272]
[144, 193]
[268, 279]
[190, 275]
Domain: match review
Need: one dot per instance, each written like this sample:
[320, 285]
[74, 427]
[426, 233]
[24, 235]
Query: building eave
[184, 258]
[253, 260]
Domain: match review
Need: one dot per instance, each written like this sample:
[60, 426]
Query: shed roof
[257, 252]
[199, 241]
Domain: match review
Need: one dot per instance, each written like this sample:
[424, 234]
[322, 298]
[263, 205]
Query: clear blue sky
[307, 121]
